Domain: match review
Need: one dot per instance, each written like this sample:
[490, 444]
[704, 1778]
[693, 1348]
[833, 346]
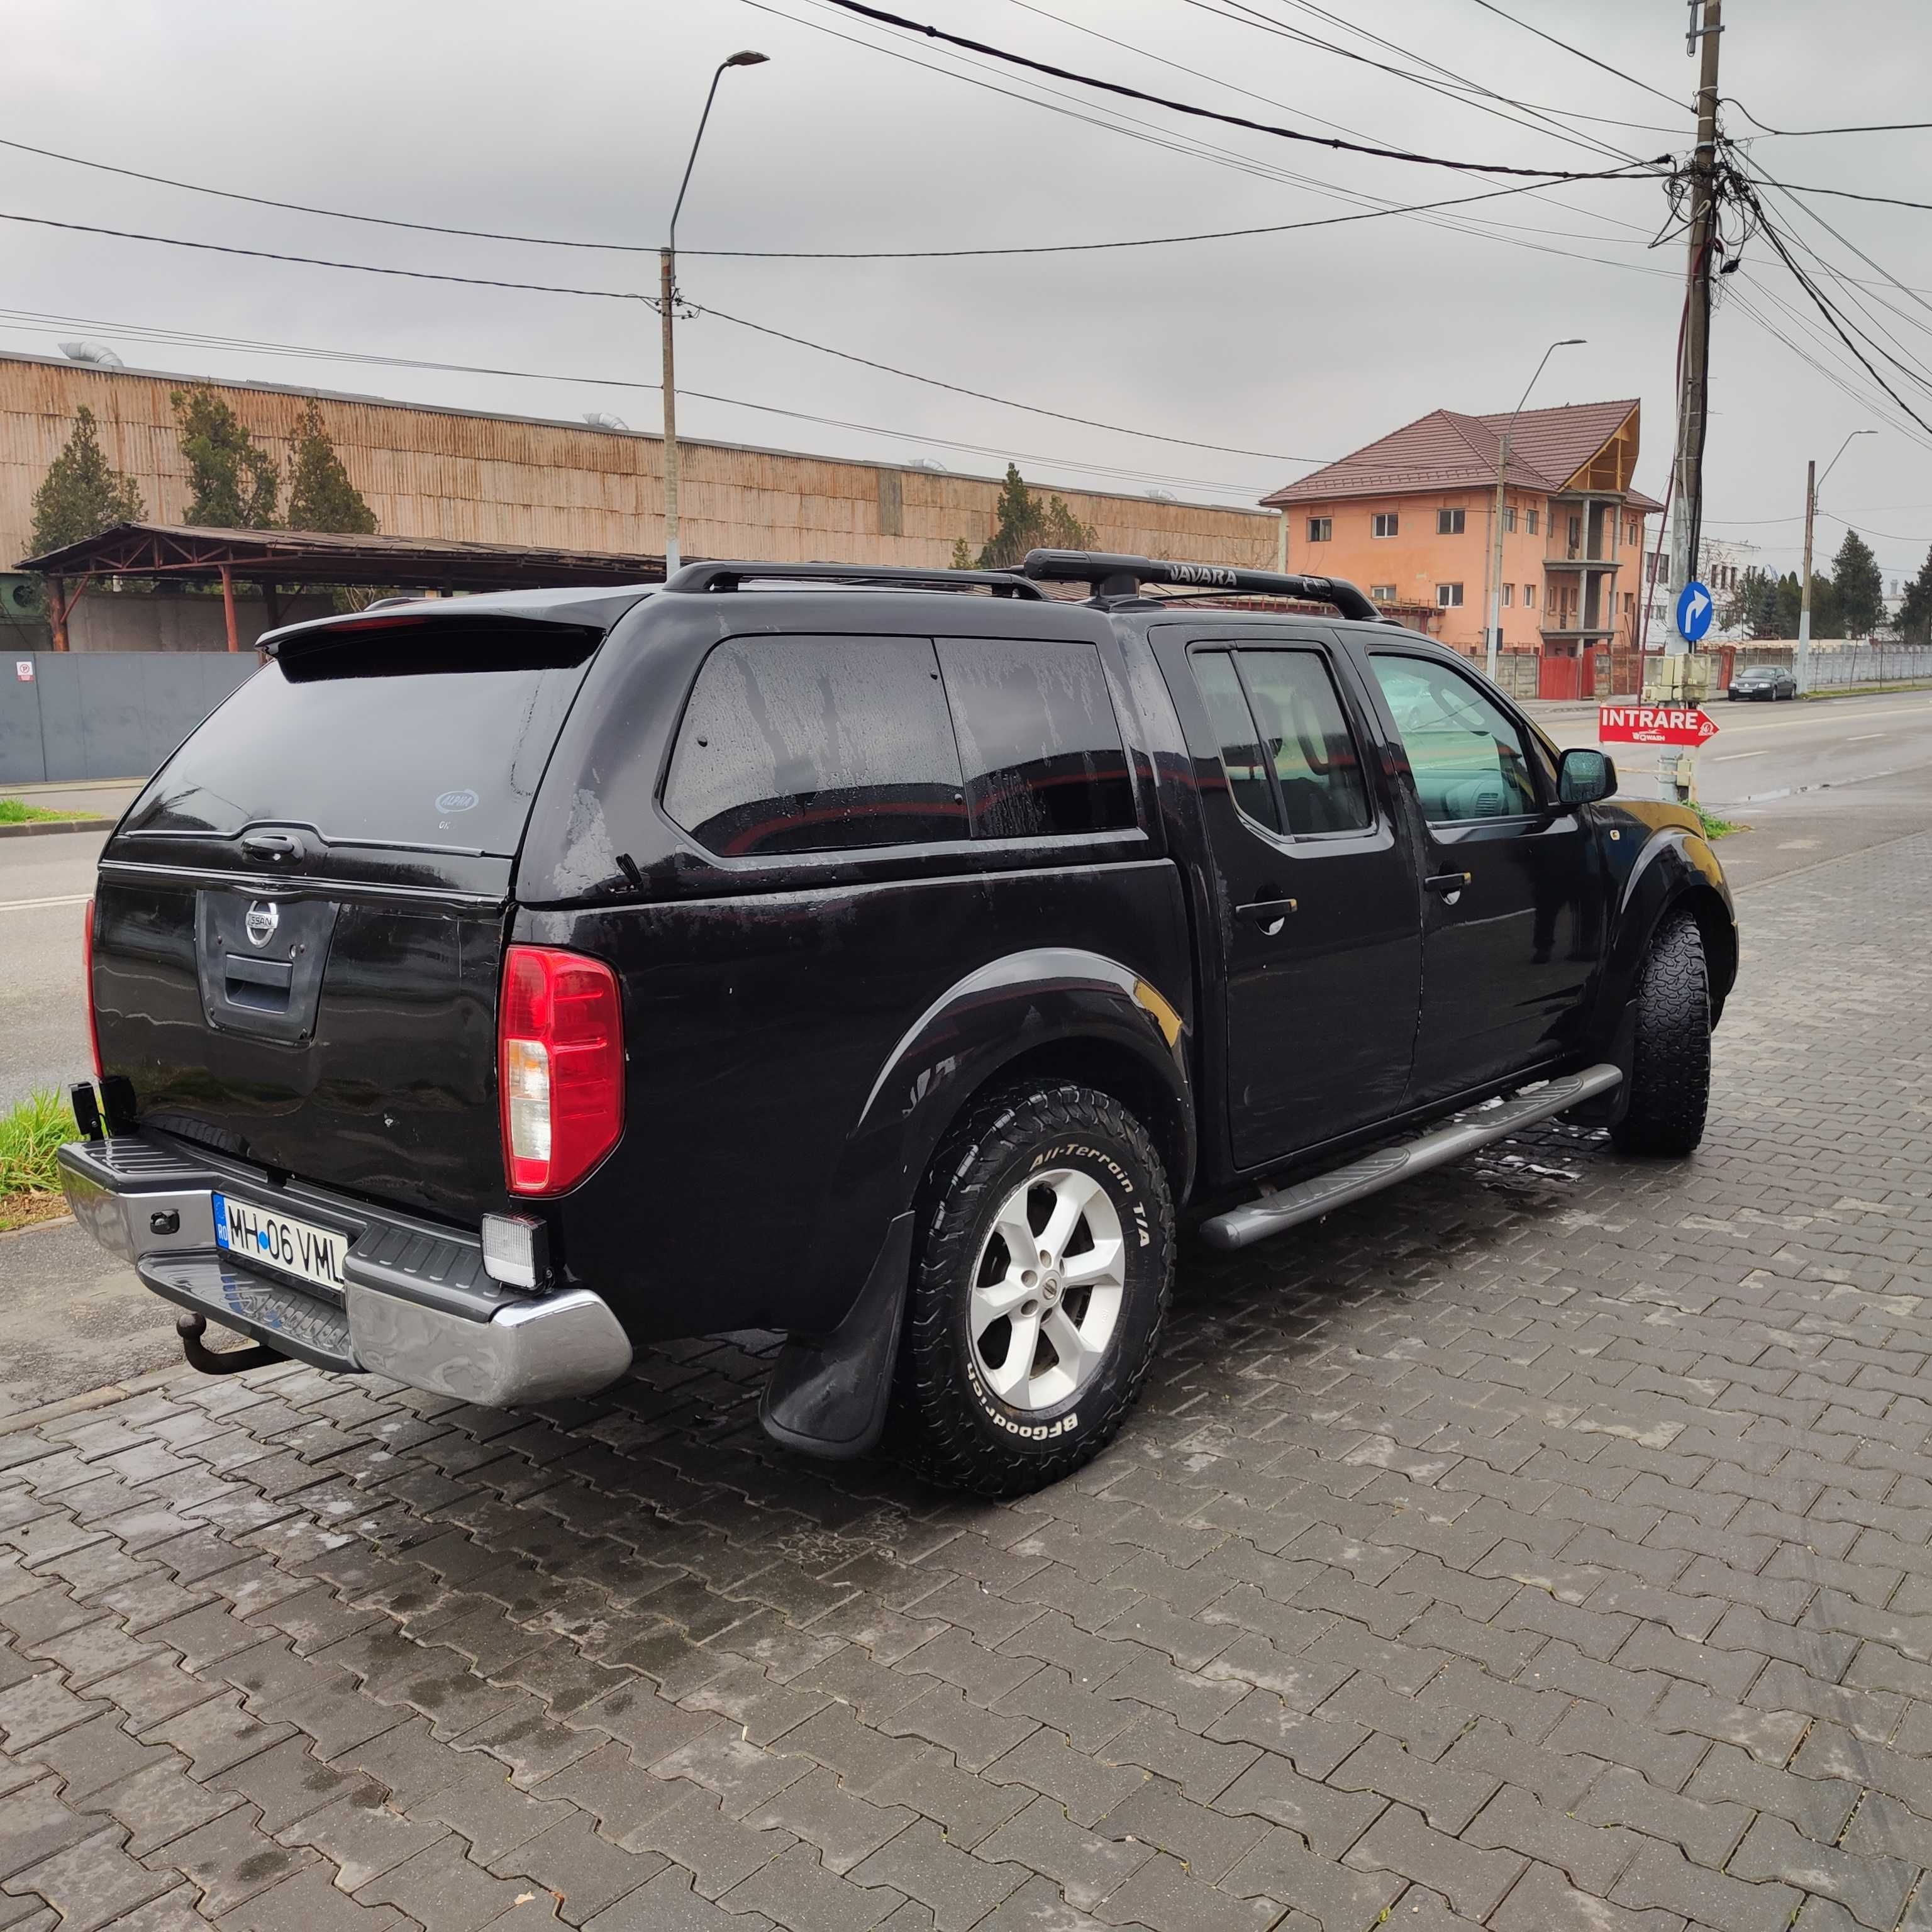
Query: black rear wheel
[1040, 1280]
[1670, 1074]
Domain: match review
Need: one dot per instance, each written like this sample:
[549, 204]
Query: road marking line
[1727, 757]
[1866, 737]
[33, 905]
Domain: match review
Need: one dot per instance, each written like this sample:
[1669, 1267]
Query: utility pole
[667, 301]
[1495, 632]
[1813, 483]
[1687, 514]
[1804, 665]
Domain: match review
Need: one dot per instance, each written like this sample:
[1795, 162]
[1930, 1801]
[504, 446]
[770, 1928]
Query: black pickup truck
[890, 958]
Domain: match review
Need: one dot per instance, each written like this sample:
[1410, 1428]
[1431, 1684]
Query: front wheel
[1670, 1073]
[1044, 1264]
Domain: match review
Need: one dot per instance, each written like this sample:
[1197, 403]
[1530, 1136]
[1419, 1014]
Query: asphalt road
[1845, 767]
[1766, 752]
[44, 883]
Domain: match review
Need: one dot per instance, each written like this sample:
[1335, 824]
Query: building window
[1382, 593]
[1529, 590]
[1448, 596]
[1632, 532]
[1449, 523]
[1321, 529]
[1535, 519]
[1509, 595]
[1386, 523]
[1509, 518]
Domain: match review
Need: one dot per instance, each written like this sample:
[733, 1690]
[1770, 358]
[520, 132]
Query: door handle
[1448, 886]
[282, 848]
[1270, 915]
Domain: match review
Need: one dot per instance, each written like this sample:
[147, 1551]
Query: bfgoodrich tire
[1670, 1077]
[1043, 1264]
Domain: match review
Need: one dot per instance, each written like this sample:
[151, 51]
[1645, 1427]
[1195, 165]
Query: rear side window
[817, 745]
[426, 734]
[1039, 742]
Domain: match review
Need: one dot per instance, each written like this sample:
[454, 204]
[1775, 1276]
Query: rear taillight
[560, 1060]
[87, 984]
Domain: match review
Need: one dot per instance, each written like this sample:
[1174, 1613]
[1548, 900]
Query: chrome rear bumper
[416, 1304]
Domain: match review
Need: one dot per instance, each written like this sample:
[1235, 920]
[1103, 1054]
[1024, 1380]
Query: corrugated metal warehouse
[446, 473]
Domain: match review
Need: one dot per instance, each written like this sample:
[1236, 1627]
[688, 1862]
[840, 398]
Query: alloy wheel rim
[1047, 1289]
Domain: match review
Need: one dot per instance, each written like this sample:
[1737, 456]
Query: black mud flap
[1607, 1110]
[828, 1394]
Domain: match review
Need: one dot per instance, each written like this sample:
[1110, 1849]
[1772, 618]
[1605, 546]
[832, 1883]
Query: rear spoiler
[561, 610]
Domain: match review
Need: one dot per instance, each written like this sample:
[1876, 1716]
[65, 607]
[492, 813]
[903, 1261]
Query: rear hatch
[300, 924]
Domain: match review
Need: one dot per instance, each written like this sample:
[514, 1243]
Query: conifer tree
[82, 493]
[233, 481]
[321, 496]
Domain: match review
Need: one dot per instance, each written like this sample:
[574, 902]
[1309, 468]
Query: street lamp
[1813, 483]
[1502, 466]
[666, 297]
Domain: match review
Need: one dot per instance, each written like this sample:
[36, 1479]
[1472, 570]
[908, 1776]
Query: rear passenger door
[1318, 900]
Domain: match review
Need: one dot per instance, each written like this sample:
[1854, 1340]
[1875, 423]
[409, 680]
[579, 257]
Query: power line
[1137, 241]
[1853, 194]
[1799, 133]
[879, 14]
[331, 214]
[619, 295]
[318, 262]
[1243, 15]
[26, 320]
[723, 254]
[1824, 308]
[1219, 156]
[980, 395]
[1489, 6]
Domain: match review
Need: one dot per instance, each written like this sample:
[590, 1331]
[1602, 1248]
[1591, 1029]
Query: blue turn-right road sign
[1695, 609]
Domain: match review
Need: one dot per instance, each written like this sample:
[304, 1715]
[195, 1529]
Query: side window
[1039, 742]
[1279, 718]
[1242, 757]
[817, 745]
[1467, 757]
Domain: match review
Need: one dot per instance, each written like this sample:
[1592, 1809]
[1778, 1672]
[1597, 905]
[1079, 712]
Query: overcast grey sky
[573, 120]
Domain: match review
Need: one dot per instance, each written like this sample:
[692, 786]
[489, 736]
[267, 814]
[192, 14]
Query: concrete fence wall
[1851, 665]
[106, 714]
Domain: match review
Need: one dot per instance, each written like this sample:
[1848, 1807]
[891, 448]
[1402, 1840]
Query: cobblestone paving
[1548, 1545]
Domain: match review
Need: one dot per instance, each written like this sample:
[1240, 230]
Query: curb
[40, 827]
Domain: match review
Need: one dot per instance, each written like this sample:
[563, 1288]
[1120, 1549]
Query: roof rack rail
[703, 577]
[1123, 576]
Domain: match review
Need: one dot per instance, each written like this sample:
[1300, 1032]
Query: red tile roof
[1446, 450]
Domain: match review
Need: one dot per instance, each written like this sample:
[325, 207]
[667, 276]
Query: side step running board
[1475, 1127]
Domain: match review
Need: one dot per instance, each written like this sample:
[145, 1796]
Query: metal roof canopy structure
[183, 552]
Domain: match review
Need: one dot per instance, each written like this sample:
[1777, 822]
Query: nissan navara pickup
[494, 986]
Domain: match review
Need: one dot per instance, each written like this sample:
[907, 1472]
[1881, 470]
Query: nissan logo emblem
[261, 922]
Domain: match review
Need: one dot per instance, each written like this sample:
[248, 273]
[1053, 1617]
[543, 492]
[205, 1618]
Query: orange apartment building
[1411, 519]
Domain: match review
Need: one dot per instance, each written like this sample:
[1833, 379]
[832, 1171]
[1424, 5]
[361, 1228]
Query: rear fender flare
[1009, 1009]
[829, 1389]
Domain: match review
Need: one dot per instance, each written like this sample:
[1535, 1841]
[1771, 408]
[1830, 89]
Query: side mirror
[1584, 776]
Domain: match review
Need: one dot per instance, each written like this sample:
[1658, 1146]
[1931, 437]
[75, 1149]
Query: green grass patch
[17, 812]
[1715, 827]
[30, 1133]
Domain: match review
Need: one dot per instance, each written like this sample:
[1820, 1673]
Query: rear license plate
[272, 1241]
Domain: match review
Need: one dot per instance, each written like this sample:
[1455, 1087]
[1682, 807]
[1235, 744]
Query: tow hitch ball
[224, 1362]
